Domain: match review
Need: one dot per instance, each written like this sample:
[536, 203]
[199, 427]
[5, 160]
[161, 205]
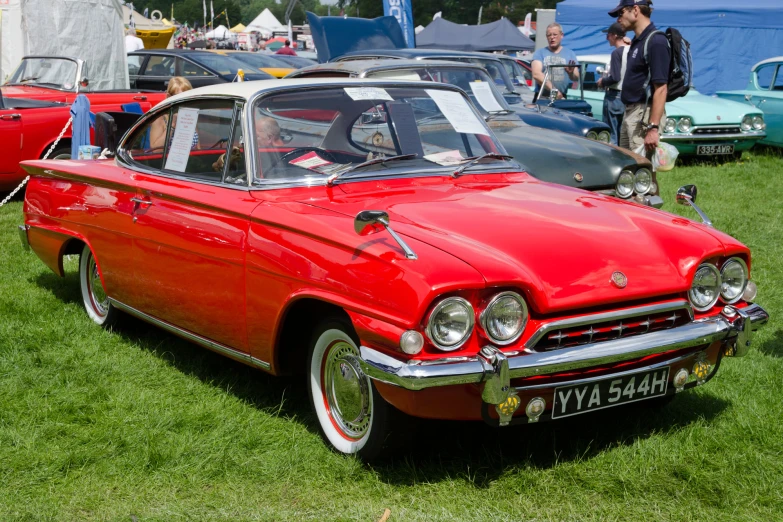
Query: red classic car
[374, 236]
[35, 106]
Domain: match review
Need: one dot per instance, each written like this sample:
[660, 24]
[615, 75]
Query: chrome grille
[596, 328]
[716, 130]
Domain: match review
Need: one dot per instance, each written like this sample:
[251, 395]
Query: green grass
[135, 423]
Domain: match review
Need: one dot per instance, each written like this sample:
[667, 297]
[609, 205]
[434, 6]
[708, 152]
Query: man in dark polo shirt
[612, 79]
[644, 85]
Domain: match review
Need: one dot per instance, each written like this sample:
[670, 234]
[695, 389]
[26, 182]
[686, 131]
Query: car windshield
[475, 82]
[295, 61]
[59, 73]
[259, 61]
[493, 67]
[224, 65]
[310, 135]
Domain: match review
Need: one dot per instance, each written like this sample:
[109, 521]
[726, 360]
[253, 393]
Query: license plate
[714, 150]
[597, 395]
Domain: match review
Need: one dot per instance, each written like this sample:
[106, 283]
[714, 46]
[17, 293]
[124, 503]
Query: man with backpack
[645, 84]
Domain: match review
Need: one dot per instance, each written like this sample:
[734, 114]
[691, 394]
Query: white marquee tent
[220, 32]
[88, 29]
[266, 24]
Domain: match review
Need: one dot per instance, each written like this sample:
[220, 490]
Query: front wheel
[352, 416]
[94, 297]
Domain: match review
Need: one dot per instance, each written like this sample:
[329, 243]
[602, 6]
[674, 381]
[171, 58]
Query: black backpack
[680, 64]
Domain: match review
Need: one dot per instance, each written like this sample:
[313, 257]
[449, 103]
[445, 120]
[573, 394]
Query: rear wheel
[352, 416]
[94, 297]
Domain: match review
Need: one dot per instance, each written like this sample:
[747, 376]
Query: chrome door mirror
[686, 195]
[369, 222]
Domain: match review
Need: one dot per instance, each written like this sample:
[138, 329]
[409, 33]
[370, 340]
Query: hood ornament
[619, 280]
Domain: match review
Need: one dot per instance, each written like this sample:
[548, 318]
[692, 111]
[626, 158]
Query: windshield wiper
[503, 112]
[475, 159]
[330, 180]
[29, 79]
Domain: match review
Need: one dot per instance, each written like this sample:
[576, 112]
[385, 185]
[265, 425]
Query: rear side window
[160, 66]
[190, 69]
[765, 75]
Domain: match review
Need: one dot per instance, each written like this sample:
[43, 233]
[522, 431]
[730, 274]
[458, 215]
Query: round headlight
[642, 181]
[705, 288]
[592, 135]
[747, 123]
[450, 323]
[670, 125]
[734, 278]
[758, 122]
[624, 187]
[604, 136]
[505, 318]
[684, 125]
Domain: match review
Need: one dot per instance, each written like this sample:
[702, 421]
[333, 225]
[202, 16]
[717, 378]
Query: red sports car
[35, 106]
[374, 236]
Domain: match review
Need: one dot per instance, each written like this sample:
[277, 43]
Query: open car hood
[334, 36]
[560, 245]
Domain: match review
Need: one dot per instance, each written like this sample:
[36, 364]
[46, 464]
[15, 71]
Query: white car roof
[247, 90]
[768, 60]
[595, 58]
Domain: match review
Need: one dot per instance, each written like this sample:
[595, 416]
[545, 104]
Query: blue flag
[403, 12]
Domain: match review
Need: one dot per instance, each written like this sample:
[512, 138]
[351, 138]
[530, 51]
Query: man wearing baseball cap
[612, 79]
[644, 84]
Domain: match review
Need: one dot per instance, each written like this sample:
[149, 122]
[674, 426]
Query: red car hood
[561, 245]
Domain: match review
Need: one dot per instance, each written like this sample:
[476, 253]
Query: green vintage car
[765, 91]
[696, 124]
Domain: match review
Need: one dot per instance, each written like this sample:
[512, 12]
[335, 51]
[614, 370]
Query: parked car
[696, 124]
[547, 154]
[765, 92]
[397, 258]
[297, 62]
[269, 64]
[35, 105]
[152, 69]
[519, 73]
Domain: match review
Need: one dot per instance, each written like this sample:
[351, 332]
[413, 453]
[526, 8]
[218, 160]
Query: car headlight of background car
[670, 126]
[758, 122]
[747, 123]
[709, 284]
[642, 181]
[592, 135]
[604, 136]
[684, 125]
[505, 318]
[624, 187]
[450, 323]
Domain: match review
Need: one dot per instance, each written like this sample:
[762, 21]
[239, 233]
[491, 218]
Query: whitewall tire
[96, 301]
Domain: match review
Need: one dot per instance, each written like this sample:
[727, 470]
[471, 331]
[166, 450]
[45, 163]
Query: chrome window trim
[79, 68]
[195, 338]
[583, 320]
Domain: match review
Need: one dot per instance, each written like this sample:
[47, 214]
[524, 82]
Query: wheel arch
[64, 142]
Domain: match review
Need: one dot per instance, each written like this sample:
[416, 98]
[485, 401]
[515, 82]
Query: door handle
[140, 98]
[140, 201]
[11, 117]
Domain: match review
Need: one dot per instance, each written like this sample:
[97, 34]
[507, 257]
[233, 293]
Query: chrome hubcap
[347, 391]
[100, 300]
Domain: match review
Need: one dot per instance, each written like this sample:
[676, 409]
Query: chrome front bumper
[496, 369]
[714, 137]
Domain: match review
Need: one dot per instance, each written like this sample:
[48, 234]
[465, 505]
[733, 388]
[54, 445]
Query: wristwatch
[650, 127]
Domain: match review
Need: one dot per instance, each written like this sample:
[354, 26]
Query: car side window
[591, 78]
[145, 145]
[160, 66]
[134, 64]
[764, 75]
[778, 85]
[190, 69]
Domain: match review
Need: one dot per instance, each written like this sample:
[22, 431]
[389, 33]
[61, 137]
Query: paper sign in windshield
[367, 93]
[456, 109]
[447, 159]
[483, 93]
[311, 161]
[179, 150]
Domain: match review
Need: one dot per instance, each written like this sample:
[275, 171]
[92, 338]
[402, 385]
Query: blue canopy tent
[727, 37]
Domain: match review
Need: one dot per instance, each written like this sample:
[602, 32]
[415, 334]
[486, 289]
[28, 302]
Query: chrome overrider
[734, 326]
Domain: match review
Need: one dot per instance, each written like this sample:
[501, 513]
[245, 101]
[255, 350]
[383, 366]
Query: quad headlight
[747, 123]
[450, 323]
[642, 181]
[592, 135]
[604, 136]
[625, 182]
[758, 122]
[734, 279]
[706, 287]
[505, 318]
[670, 126]
[684, 125]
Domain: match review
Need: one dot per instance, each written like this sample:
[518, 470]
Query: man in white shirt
[132, 42]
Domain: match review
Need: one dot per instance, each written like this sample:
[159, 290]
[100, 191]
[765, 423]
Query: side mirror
[600, 70]
[84, 82]
[686, 195]
[369, 222]
[553, 96]
[748, 97]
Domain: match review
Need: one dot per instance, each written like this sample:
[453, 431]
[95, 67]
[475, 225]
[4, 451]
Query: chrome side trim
[609, 316]
[195, 338]
[23, 236]
[412, 375]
